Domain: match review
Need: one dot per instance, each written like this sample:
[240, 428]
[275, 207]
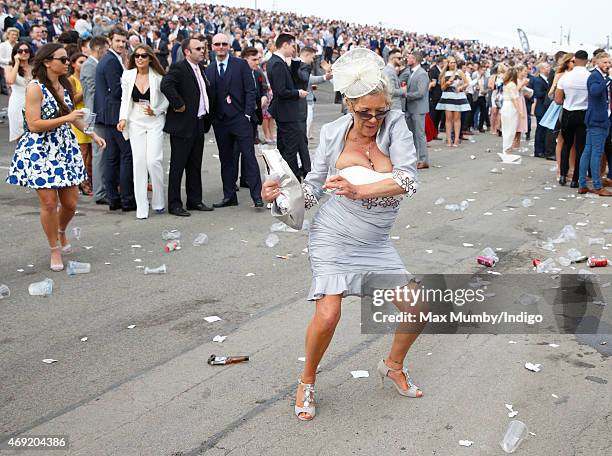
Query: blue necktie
[221, 70]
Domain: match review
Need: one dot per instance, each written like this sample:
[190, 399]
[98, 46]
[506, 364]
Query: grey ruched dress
[349, 240]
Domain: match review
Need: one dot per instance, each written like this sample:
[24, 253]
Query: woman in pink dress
[524, 92]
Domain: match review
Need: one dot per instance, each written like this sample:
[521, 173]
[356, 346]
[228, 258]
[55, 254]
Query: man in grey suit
[417, 104]
[98, 46]
[398, 93]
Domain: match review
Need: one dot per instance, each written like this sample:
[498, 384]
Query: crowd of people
[134, 66]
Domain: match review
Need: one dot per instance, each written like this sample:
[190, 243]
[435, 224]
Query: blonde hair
[511, 75]
[9, 30]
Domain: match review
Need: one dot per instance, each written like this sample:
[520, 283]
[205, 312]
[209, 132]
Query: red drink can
[535, 262]
[597, 262]
[172, 245]
[485, 261]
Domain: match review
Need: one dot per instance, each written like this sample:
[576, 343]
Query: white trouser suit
[146, 139]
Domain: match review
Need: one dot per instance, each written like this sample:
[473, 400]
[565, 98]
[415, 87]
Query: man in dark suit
[233, 106]
[160, 48]
[288, 106]
[541, 85]
[186, 88]
[118, 175]
[435, 92]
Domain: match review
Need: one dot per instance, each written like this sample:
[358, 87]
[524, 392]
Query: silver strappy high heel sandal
[309, 406]
[66, 249]
[412, 390]
[57, 267]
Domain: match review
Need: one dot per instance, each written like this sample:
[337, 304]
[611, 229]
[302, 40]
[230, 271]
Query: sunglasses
[220, 44]
[365, 115]
[141, 56]
[64, 60]
[199, 48]
[23, 51]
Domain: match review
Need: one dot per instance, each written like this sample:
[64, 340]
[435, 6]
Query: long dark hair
[18, 44]
[39, 72]
[153, 62]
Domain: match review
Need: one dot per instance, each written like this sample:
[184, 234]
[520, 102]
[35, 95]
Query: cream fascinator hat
[357, 72]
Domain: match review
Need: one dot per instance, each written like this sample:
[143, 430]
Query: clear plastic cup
[171, 235]
[515, 434]
[74, 267]
[5, 291]
[76, 233]
[43, 288]
[201, 239]
[159, 270]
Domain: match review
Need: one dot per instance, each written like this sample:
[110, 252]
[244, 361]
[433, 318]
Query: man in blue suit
[597, 120]
[541, 86]
[107, 101]
[233, 107]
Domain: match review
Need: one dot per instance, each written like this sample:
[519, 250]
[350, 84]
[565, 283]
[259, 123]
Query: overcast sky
[587, 21]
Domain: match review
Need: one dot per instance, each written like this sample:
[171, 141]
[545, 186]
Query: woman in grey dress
[368, 161]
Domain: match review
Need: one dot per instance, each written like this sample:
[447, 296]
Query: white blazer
[158, 100]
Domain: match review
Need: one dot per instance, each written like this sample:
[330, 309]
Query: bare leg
[457, 124]
[318, 336]
[49, 220]
[405, 335]
[448, 123]
[68, 197]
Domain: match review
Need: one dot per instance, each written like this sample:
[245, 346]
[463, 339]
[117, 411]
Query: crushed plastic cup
[159, 270]
[488, 252]
[201, 239]
[280, 227]
[272, 240]
[574, 254]
[439, 201]
[547, 266]
[527, 202]
[74, 267]
[76, 233]
[568, 233]
[563, 261]
[597, 241]
[5, 291]
[171, 235]
[452, 207]
[463, 205]
[515, 434]
[548, 245]
[42, 288]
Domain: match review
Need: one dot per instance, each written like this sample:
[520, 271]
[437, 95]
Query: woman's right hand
[121, 126]
[270, 191]
[75, 115]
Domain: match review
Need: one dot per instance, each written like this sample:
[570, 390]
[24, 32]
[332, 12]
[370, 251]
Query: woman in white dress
[511, 110]
[18, 75]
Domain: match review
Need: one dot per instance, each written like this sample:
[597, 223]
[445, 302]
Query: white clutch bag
[289, 206]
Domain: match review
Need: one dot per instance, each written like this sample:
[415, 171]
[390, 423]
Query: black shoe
[551, 158]
[179, 212]
[527, 137]
[562, 180]
[574, 184]
[114, 206]
[199, 207]
[243, 184]
[103, 201]
[259, 204]
[227, 202]
[128, 208]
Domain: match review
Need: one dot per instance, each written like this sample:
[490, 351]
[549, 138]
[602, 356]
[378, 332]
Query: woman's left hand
[148, 110]
[99, 141]
[344, 187]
